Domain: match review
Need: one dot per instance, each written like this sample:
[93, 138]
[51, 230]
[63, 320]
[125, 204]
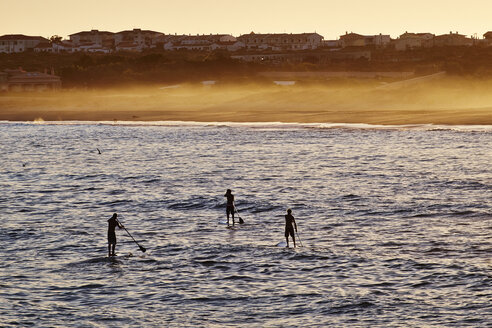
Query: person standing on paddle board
[112, 224]
[289, 229]
[230, 205]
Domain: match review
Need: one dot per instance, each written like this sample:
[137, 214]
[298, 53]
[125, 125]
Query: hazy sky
[327, 17]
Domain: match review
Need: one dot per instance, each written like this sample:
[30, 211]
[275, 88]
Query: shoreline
[263, 125]
[442, 103]
[480, 117]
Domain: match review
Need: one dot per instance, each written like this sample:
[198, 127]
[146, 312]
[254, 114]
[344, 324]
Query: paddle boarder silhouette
[289, 229]
[112, 224]
[230, 205]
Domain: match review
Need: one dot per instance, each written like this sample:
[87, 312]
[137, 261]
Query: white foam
[269, 125]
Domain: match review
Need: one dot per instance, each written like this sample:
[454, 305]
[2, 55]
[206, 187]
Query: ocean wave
[380, 213]
[268, 125]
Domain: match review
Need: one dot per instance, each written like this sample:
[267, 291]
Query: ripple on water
[394, 223]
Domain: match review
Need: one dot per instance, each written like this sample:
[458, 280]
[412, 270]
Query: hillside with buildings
[101, 58]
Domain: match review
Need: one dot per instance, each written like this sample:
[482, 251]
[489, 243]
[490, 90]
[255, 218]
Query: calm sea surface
[395, 223]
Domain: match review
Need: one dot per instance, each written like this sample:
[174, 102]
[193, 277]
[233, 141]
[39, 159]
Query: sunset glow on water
[395, 224]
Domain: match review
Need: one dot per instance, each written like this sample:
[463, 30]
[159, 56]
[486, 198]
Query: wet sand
[443, 104]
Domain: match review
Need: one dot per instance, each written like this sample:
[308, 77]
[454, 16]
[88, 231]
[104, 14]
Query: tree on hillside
[55, 39]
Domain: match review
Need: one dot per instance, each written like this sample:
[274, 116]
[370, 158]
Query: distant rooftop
[137, 30]
[21, 37]
[92, 32]
[279, 34]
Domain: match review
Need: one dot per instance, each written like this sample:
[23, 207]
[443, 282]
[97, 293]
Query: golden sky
[327, 17]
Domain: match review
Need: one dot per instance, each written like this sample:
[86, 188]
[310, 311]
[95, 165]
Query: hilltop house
[12, 43]
[183, 42]
[230, 46]
[202, 42]
[282, 41]
[413, 40]
[136, 39]
[62, 46]
[92, 47]
[330, 43]
[352, 40]
[358, 40]
[451, 39]
[100, 38]
[167, 42]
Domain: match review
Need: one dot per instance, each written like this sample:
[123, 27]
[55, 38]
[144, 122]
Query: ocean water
[395, 223]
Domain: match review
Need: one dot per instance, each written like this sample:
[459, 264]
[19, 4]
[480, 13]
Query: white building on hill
[413, 40]
[100, 38]
[136, 39]
[358, 40]
[204, 42]
[281, 41]
[13, 43]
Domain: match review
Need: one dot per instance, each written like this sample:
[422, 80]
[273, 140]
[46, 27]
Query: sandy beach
[444, 102]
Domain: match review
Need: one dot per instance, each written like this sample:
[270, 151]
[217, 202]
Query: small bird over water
[98, 151]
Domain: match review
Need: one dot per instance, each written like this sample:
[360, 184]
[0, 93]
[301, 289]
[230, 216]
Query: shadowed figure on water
[112, 223]
[230, 205]
[289, 229]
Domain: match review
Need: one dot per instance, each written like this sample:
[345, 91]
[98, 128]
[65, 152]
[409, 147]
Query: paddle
[299, 238]
[241, 221]
[139, 246]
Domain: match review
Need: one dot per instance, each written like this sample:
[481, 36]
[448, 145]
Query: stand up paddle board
[282, 244]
